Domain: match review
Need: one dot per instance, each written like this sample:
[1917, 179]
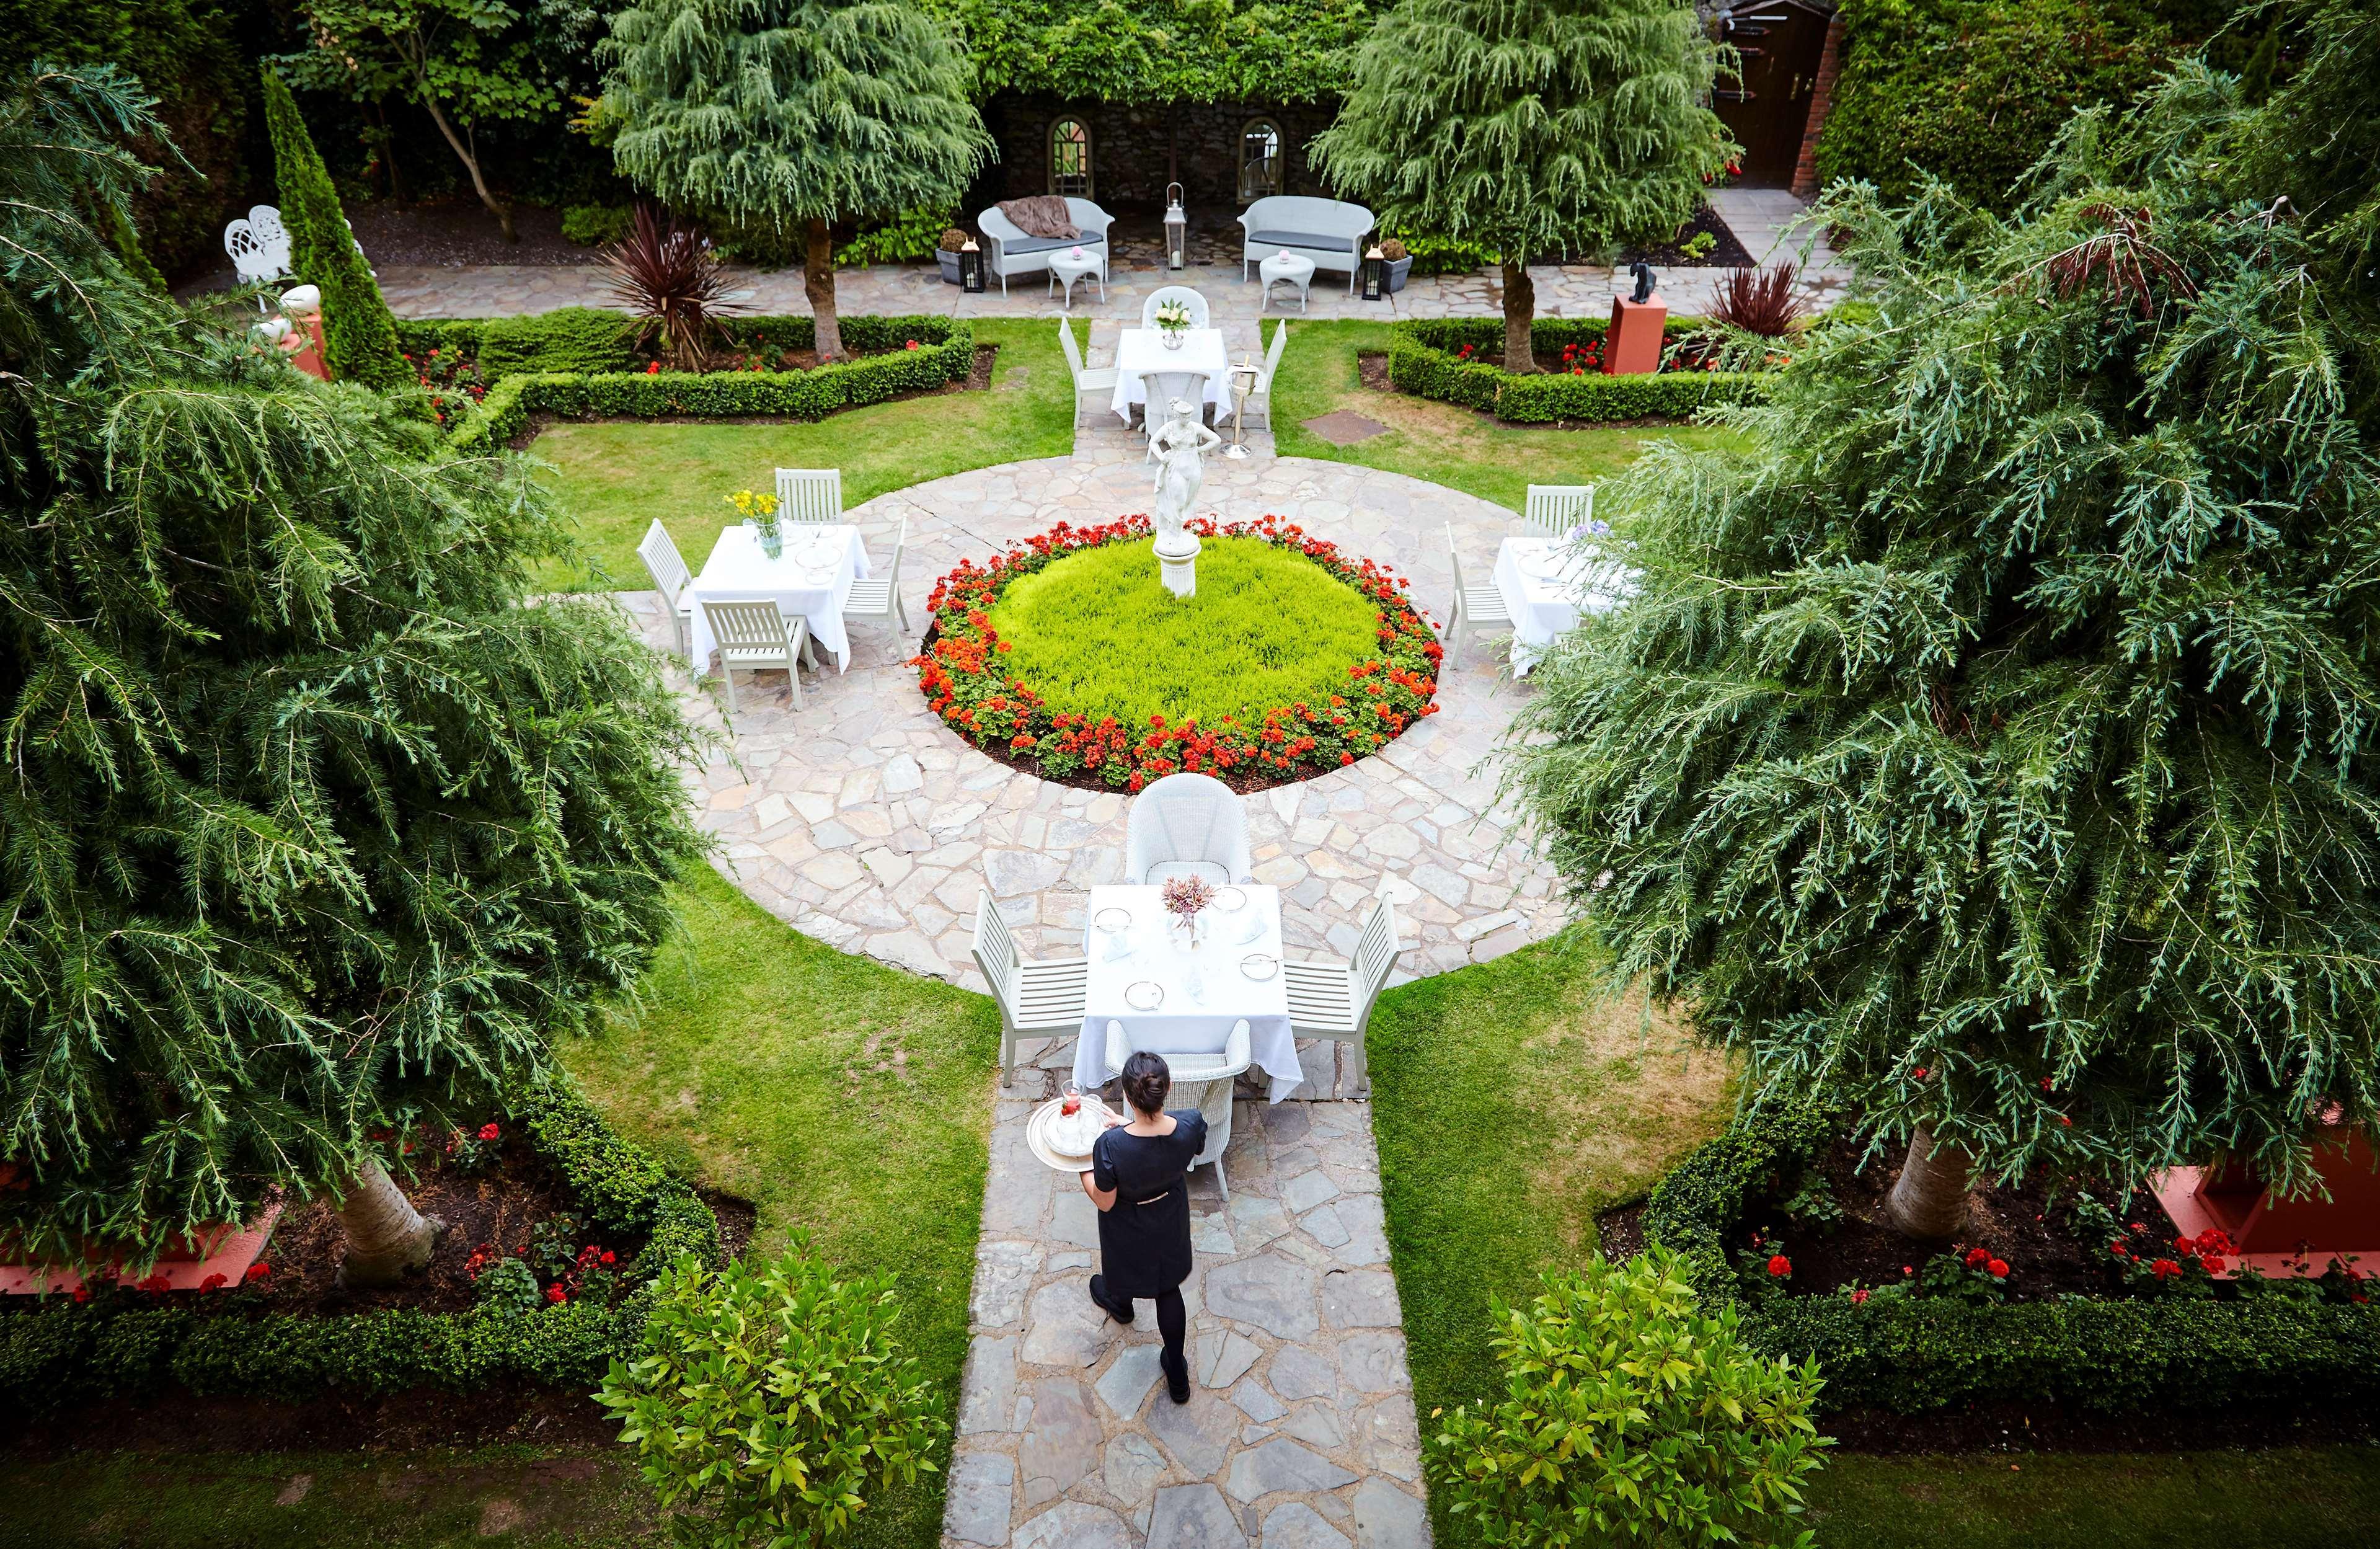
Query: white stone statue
[1180, 445]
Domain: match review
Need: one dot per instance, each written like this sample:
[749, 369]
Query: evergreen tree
[1991, 747]
[1538, 127]
[787, 115]
[358, 331]
[308, 828]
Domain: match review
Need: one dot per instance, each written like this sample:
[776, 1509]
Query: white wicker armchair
[1007, 250]
[1202, 1082]
[1187, 825]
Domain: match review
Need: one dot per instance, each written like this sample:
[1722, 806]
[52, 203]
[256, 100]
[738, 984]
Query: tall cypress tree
[787, 115]
[1537, 126]
[309, 827]
[1992, 747]
[358, 330]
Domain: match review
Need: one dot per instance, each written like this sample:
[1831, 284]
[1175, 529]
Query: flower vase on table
[1184, 898]
[760, 514]
[1173, 321]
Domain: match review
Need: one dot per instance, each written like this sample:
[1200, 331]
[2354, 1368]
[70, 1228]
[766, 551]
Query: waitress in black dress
[1139, 1179]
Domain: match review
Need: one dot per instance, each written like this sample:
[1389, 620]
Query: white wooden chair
[1187, 825]
[1040, 999]
[1201, 1081]
[1334, 1000]
[1182, 293]
[757, 637]
[1259, 402]
[810, 495]
[881, 597]
[1554, 509]
[1088, 383]
[1162, 390]
[671, 578]
[1474, 605]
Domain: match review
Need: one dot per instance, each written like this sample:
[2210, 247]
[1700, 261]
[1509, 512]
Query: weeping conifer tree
[1991, 747]
[308, 828]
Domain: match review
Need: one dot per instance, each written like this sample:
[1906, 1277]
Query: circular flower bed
[968, 673]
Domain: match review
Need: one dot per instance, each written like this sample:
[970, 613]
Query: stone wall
[1822, 100]
[1129, 146]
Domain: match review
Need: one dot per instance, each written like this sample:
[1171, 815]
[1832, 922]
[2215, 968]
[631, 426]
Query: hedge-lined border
[62, 1353]
[1911, 1355]
[944, 353]
[1423, 361]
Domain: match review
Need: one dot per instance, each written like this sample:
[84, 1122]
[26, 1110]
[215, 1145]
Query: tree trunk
[817, 283]
[1930, 1200]
[386, 1236]
[503, 213]
[388, 154]
[1520, 313]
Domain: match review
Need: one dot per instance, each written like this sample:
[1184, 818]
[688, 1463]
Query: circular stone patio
[863, 820]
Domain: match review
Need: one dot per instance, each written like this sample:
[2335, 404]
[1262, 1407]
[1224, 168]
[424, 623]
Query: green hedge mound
[1425, 360]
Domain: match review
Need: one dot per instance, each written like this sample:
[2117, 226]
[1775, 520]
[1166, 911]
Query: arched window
[1070, 158]
[1261, 161]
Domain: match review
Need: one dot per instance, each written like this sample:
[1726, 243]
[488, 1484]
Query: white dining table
[1202, 989]
[1139, 350]
[1546, 585]
[810, 579]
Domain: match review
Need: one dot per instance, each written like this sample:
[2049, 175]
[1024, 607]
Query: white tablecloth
[1546, 590]
[1143, 349]
[1204, 990]
[737, 572]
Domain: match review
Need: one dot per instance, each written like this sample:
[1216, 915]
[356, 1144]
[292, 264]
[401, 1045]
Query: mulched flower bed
[962, 677]
[1725, 251]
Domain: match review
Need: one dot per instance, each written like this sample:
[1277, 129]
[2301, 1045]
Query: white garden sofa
[1007, 250]
[1328, 231]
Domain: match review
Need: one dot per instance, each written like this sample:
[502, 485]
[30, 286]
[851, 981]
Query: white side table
[1285, 268]
[1065, 268]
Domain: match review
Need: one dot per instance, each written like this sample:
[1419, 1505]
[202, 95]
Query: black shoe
[1177, 1379]
[1100, 1294]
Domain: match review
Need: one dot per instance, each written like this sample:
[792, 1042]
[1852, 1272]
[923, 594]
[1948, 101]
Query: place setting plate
[1145, 994]
[1230, 900]
[1260, 966]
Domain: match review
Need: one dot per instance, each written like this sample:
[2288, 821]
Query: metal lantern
[1177, 230]
[1376, 271]
[971, 268]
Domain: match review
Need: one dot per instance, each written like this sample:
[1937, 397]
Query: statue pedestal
[1631, 345]
[1179, 568]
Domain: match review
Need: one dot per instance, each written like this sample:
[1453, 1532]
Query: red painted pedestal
[222, 1249]
[303, 345]
[1633, 345]
[2283, 1237]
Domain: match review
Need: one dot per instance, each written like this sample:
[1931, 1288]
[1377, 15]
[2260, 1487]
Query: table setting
[809, 578]
[1144, 349]
[1178, 971]
[1547, 582]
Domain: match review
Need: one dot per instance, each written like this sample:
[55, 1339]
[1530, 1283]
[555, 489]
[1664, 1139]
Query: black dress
[1144, 1236]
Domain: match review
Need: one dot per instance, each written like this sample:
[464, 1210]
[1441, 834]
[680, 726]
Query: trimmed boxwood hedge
[1911, 1355]
[946, 354]
[60, 1353]
[1422, 361]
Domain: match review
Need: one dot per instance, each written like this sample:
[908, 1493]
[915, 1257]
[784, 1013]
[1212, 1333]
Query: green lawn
[1437, 441]
[615, 476]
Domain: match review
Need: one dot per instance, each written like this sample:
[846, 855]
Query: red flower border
[962, 679]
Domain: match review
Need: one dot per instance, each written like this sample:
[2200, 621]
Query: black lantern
[971, 268]
[1375, 273]
[1177, 230]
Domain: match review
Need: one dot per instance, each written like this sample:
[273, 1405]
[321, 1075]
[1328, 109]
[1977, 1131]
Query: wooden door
[1767, 110]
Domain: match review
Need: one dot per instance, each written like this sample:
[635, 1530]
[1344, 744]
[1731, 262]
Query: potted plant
[1400, 263]
[1172, 320]
[946, 254]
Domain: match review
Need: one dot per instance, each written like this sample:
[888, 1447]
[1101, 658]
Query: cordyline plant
[1991, 747]
[966, 683]
[309, 829]
[664, 275]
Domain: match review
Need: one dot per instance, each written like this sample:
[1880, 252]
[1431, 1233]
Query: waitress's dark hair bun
[1146, 1082]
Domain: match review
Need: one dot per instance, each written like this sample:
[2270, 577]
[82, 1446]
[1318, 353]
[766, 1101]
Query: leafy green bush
[773, 1401]
[508, 1285]
[1426, 359]
[1629, 1415]
[595, 225]
[1447, 255]
[905, 239]
[567, 339]
[358, 334]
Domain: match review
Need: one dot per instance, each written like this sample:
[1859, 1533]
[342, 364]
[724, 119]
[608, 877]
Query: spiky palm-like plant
[664, 277]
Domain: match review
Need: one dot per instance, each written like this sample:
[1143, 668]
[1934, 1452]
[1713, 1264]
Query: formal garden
[650, 644]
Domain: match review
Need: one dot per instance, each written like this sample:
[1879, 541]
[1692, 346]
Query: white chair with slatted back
[1088, 384]
[1256, 407]
[810, 495]
[881, 597]
[1187, 825]
[671, 578]
[1474, 605]
[1182, 293]
[1201, 1081]
[1335, 1000]
[1554, 509]
[1037, 998]
[757, 637]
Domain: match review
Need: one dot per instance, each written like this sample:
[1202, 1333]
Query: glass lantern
[1177, 230]
[970, 268]
[1374, 273]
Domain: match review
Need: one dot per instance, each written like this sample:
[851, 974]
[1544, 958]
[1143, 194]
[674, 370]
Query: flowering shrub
[473, 1151]
[452, 381]
[967, 684]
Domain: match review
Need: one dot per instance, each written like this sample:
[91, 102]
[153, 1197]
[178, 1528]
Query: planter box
[1398, 269]
[950, 262]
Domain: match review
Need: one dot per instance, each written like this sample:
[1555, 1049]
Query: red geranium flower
[1978, 1257]
[2164, 1269]
[1779, 1267]
[654, 369]
[1858, 1298]
[1996, 1269]
[259, 1270]
[489, 1131]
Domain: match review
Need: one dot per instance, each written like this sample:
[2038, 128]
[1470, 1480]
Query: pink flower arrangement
[1184, 897]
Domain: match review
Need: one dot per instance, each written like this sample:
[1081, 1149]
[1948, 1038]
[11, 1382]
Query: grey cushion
[1017, 245]
[1304, 239]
